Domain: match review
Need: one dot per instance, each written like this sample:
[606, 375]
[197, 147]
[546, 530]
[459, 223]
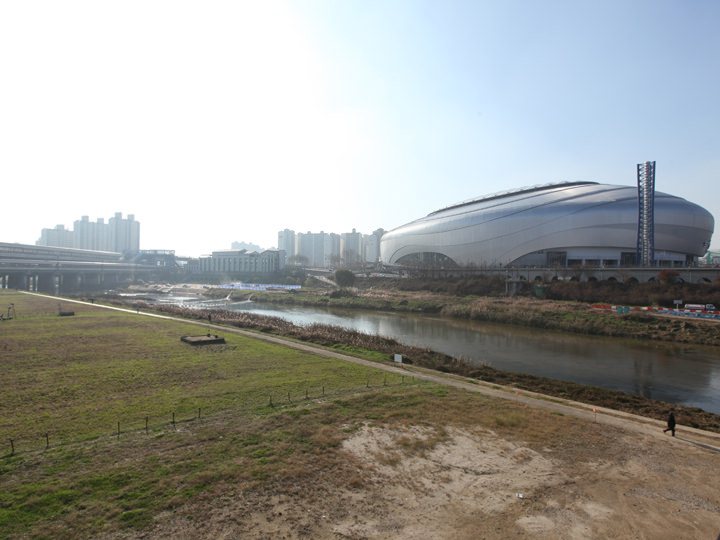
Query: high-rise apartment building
[119, 235]
[124, 233]
[326, 250]
[57, 237]
[371, 246]
[93, 235]
[286, 242]
[351, 247]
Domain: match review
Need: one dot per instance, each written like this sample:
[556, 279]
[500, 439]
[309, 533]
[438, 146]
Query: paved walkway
[632, 422]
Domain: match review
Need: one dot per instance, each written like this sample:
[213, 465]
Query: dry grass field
[269, 441]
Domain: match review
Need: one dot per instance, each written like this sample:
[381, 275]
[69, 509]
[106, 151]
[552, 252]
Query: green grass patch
[77, 377]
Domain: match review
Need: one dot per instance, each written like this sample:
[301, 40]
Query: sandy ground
[477, 485]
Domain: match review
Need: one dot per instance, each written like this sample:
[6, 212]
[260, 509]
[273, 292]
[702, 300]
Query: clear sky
[219, 121]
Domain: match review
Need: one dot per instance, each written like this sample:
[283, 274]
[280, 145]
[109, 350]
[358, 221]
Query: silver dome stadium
[562, 224]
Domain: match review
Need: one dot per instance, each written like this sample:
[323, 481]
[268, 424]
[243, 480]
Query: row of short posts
[199, 414]
[147, 422]
[12, 444]
[307, 394]
[147, 431]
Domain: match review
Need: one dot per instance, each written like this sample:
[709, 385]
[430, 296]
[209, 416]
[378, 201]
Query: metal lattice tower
[646, 213]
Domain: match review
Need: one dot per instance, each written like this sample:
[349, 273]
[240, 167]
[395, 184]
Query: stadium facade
[556, 225]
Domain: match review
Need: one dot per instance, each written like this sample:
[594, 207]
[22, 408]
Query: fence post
[47, 441]
[12, 448]
[118, 433]
[146, 425]
[173, 420]
[198, 413]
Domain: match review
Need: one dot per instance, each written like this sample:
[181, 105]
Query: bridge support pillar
[30, 282]
[57, 283]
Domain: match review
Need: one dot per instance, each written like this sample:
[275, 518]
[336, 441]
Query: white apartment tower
[286, 242]
[119, 235]
[351, 247]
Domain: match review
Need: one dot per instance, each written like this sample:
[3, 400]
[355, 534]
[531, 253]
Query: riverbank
[566, 315]
[382, 350]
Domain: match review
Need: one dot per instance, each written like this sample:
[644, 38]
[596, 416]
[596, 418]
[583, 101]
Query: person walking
[670, 423]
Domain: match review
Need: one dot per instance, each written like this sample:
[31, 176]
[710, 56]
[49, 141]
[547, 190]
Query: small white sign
[398, 358]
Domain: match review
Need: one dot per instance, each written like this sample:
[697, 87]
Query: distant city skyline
[117, 235]
[120, 234]
[234, 120]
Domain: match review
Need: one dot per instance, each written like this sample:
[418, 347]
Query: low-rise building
[239, 261]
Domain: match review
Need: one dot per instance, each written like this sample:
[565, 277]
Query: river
[680, 374]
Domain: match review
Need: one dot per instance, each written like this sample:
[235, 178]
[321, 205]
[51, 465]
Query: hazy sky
[220, 121]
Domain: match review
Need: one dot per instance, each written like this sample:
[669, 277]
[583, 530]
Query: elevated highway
[61, 270]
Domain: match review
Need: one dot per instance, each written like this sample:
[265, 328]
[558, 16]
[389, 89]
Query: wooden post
[146, 425]
[47, 441]
[12, 448]
[173, 420]
[118, 433]
[198, 413]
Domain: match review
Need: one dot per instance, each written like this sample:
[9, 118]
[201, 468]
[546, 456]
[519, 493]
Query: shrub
[344, 278]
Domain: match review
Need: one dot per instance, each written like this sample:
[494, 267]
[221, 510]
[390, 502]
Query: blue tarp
[257, 286]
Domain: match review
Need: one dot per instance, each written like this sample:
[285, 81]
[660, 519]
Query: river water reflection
[686, 375]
